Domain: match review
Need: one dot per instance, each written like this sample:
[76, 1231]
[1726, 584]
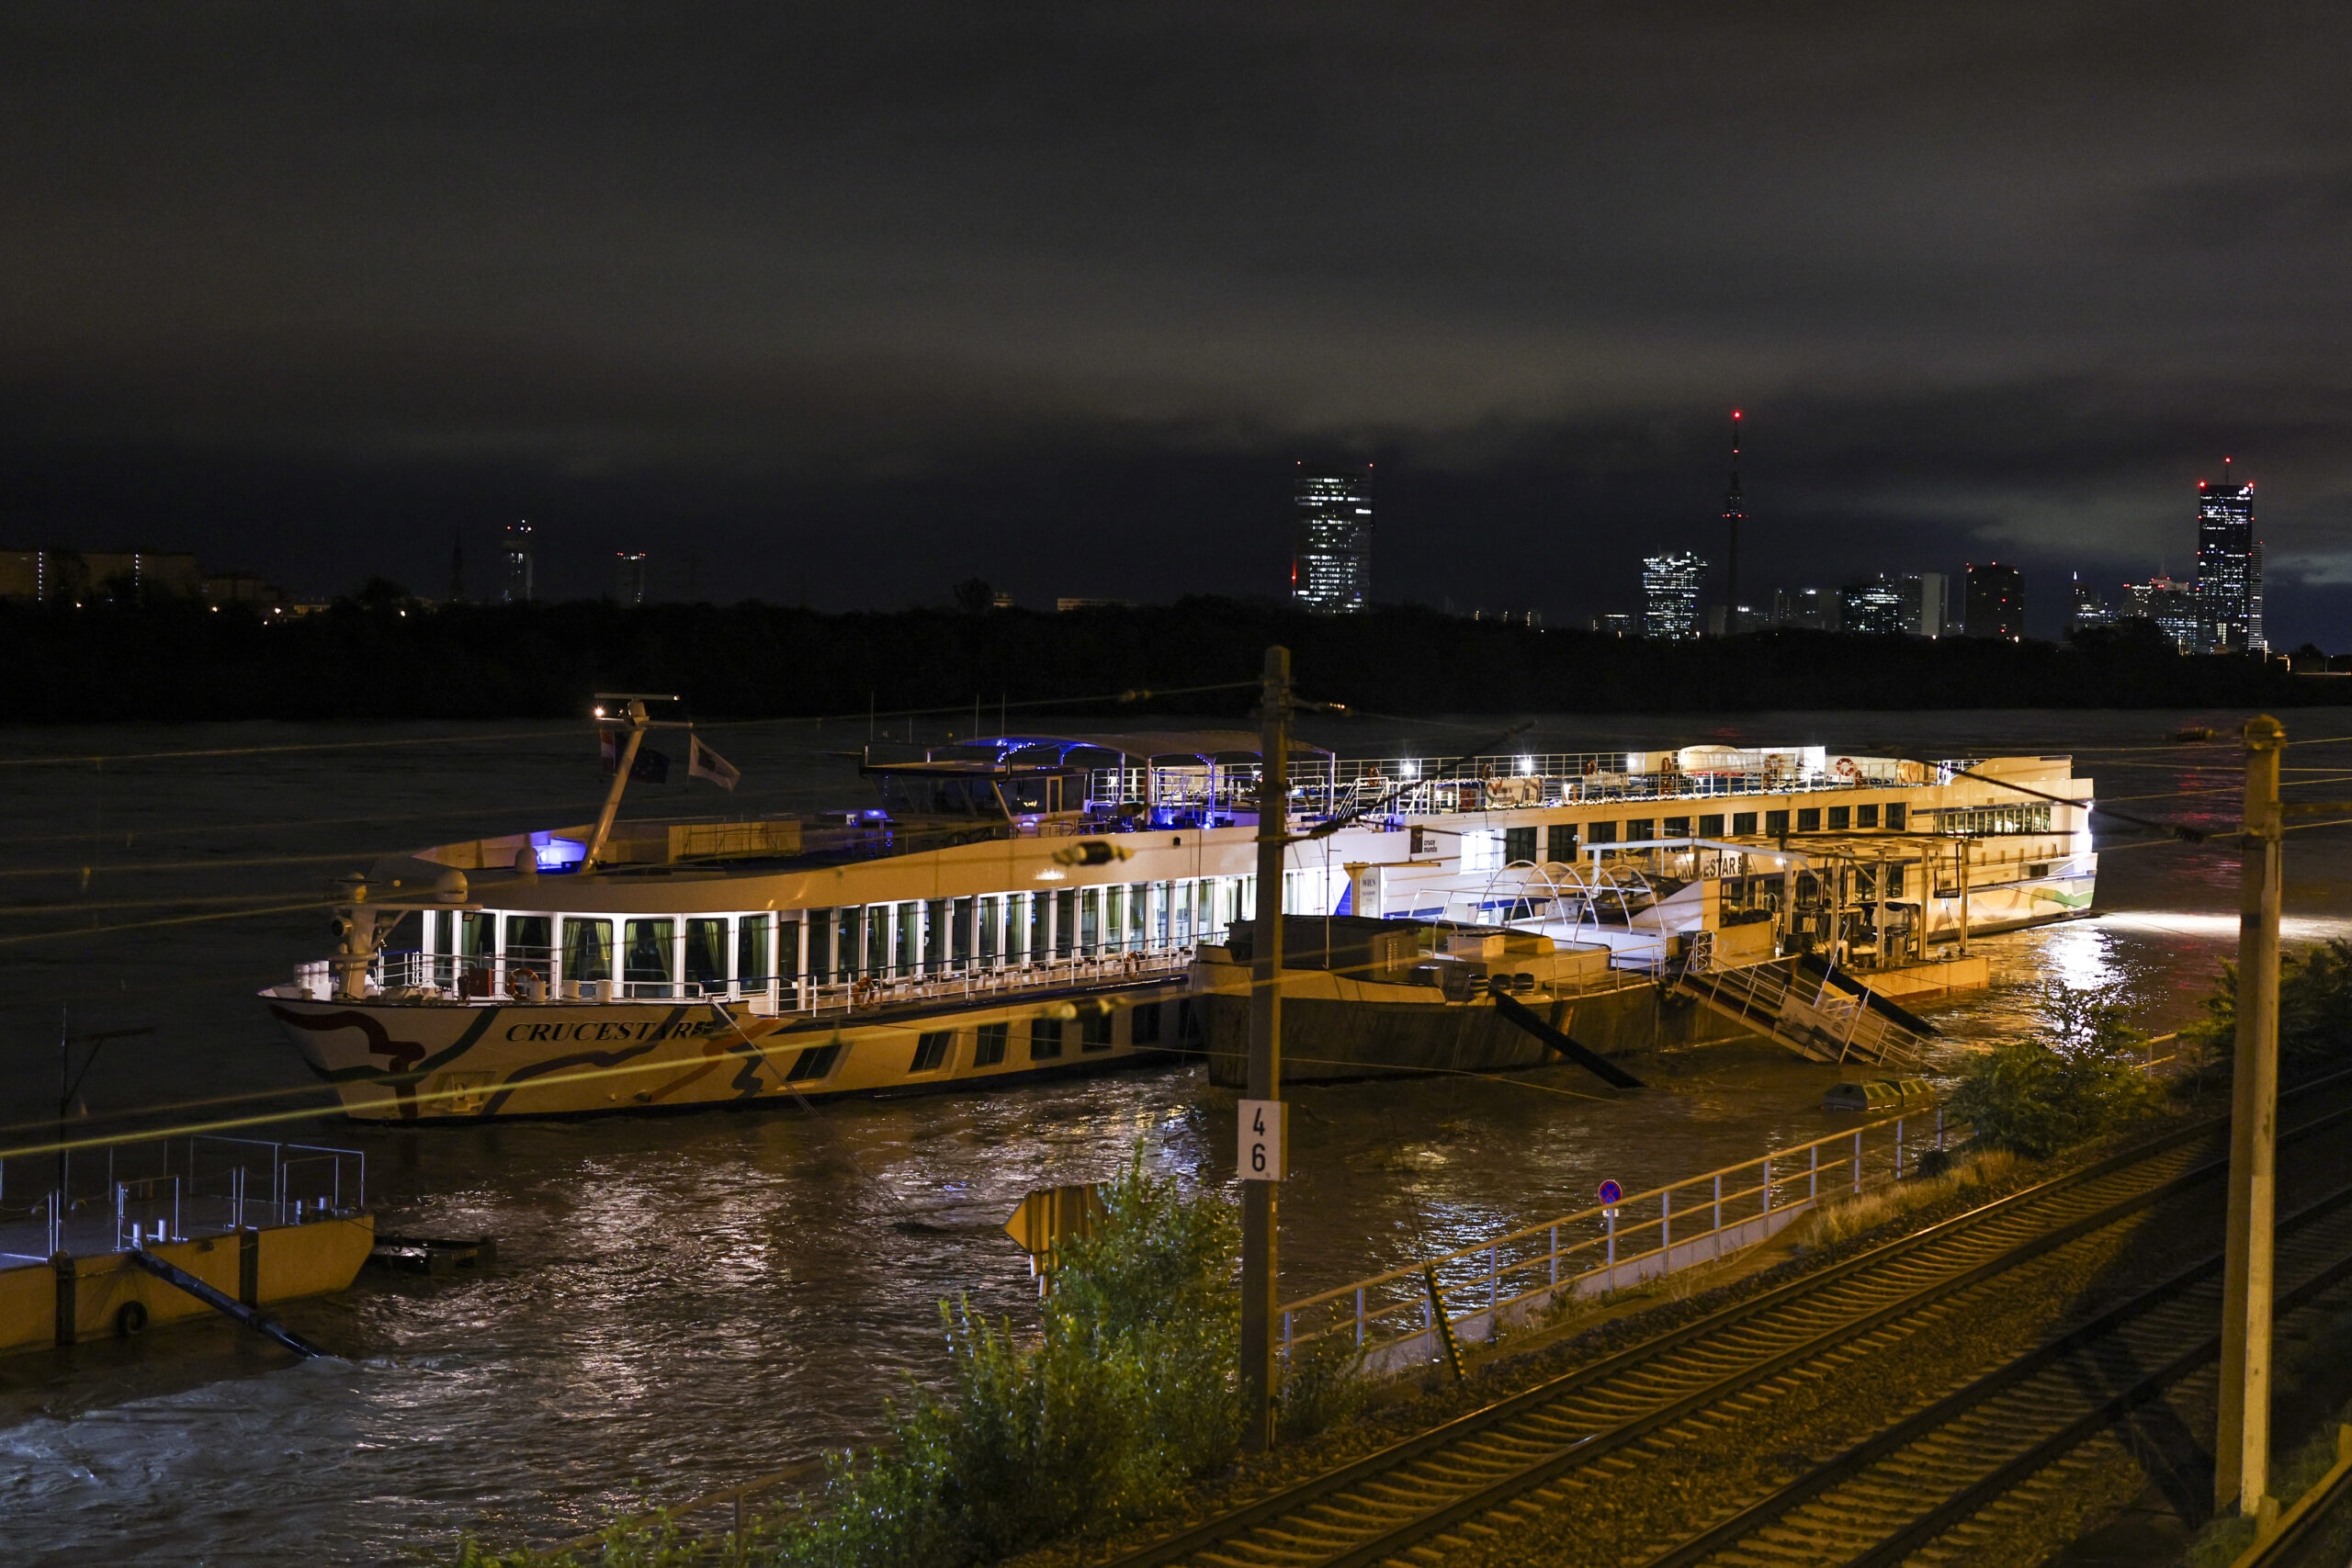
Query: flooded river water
[686, 1301]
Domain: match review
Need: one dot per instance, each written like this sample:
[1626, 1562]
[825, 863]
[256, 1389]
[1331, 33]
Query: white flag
[702, 763]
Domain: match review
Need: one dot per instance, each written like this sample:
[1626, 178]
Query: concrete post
[2241, 1448]
[1258, 1213]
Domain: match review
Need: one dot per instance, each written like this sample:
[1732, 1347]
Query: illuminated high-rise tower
[518, 556]
[1734, 514]
[1670, 595]
[1331, 569]
[2229, 573]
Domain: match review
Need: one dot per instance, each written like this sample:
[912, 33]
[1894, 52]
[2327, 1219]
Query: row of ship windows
[1560, 841]
[1046, 1039]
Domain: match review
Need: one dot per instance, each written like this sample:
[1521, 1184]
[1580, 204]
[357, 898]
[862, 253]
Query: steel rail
[1474, 1432]
[1971, 1499]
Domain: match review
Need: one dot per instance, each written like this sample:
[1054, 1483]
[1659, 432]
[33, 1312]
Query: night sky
[843, 303]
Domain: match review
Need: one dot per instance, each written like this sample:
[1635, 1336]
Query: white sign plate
[1265, 1126]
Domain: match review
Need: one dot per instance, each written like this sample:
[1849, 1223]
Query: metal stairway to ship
[1813, 1009]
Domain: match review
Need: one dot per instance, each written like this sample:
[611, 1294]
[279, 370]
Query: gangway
[1813, 1009]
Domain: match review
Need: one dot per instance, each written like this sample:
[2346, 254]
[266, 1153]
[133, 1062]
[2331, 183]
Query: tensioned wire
[556, 727]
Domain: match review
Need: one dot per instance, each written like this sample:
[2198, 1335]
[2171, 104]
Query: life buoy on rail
[1847, 770]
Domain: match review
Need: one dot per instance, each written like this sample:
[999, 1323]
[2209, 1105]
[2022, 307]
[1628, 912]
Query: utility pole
[2241, 1448]
[1265, 1076]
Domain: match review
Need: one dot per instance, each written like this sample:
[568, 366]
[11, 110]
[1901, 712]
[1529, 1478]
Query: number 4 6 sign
[1264, 1123]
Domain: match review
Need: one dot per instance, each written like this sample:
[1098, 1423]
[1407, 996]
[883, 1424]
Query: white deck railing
[1507, 1278]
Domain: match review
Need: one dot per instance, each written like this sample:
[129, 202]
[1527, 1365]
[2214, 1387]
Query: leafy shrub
[1325, 1386]
[2315, 1010]
[2075, 1079]
[1126, 1396]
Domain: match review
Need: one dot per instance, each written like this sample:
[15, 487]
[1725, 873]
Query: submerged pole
[1265, 1073]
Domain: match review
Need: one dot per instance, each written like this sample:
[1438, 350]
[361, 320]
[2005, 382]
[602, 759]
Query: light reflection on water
[687, 1301]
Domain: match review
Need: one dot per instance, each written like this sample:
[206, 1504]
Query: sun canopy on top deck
[1200, 746]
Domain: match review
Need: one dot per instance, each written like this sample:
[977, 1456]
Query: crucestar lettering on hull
[643, 1031]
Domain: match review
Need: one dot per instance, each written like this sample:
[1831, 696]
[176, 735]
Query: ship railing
[1510, 1278]
[977, 985]
[142, 1191]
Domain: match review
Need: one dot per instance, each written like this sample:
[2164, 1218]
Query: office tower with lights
[1805, 609]
[2172, 604]
[628, 576]
[2227, 581]
[1872, 607]
[2226, 572]
[1670, 586]
[1994, 606]
[1926, 604]
[2255, 640]
[2088, 609]
[516, 555]
[1331, 570]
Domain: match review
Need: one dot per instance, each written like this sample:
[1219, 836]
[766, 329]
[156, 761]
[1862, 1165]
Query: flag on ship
[651, 766]
[702, 763]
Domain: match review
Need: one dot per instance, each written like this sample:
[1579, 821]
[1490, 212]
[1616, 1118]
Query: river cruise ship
[1032, 904]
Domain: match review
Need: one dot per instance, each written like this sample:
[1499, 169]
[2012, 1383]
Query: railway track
[1919, 1489]
[1487, 1473]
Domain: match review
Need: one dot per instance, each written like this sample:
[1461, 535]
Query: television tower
[1732, 515]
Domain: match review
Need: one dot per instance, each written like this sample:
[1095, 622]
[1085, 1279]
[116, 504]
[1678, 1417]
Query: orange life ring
[1847, 770]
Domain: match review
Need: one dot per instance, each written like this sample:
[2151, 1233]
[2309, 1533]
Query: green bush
[1126, 1396]
[2075, 1079]
[1325, 1386]
[2315, 1010]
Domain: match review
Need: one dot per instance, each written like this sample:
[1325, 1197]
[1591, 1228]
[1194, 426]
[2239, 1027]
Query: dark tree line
[377, 657]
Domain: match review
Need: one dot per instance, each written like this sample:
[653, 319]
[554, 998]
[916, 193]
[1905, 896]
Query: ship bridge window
[1743, 823]
[587, 950]
[1640, 829]
[1675, 828]
[1034, 794]
[1710, 826]
[1808, 819]
[1866, 816]
[1776, 824]
[1895, 813]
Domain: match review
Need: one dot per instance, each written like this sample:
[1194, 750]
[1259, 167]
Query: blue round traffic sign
[1611, 1193]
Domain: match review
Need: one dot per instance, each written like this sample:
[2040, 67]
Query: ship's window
[752, 969]
[1089, 919]
[1742, 824]
[527, 940]
[1808, 819]
[1560, 842]
[960, 915]
[1894, 882]
[1640, 829]
[1094, 1031]
[2040, 868]
[1895, 811]
[1840, 818]
[1065, 920]
[1041, 913]
[1710, 826]
[816, 1062]
[474, 935]
[647, 958]
[1045, 1038]
[707, 952]
[931, 1051]
[1866, 816]
[587, 950]
[1144, 1030]
[1519, 844]
[989, 1051]
[1675, 828]
[1600, 832]
[1776, 824]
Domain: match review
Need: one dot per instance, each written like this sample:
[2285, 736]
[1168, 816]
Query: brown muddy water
[686, 1301]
